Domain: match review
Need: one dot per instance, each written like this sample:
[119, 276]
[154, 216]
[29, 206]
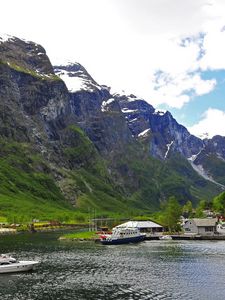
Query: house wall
[209, 230]
[151, 230]
[190, 227]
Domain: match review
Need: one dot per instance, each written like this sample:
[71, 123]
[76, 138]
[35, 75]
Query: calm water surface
[86, 270]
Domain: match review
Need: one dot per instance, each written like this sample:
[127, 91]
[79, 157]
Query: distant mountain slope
[84, 147]
[167, 136]
[211, 159]
[118, 124]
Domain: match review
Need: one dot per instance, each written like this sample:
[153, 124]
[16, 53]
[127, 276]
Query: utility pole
[89, 219]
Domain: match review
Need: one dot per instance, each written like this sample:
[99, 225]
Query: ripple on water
[149, 270]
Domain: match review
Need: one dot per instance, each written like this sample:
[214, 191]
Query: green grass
[25, 191]
[215, 166]
[3, 219]
[22, 69]
[192, 185]
[28, 190]
[136, 186]
[87, 235]
[81, 149]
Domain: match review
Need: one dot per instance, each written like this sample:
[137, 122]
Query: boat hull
[21, 266]
[128, 240]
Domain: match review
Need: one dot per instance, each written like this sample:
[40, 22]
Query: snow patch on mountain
[73, 84]
[144, 133]
[104, 106]
[133, 120]
[200, 170]
[76, 80]
[129, 97]
[127, 110]
[193, 157]
[5, 37]
[168, 148]
[159, 112]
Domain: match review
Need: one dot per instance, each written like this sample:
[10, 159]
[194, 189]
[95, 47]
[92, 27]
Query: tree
[219, 203]
[171, 214]
[187, 209]
[199, 210]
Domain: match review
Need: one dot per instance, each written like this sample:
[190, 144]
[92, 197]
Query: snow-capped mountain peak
[76, 78]
[5, 37]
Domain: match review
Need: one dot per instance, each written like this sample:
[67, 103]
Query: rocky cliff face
[165, 134]
[34, 101]
[167, 138]
[216, 146]
[100, 150]
[112, 122]
[210, 160]
[37, 110]
[95, 110]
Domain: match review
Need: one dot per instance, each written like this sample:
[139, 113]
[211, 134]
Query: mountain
[166, 135]
[68, 145]
[168, 138]
[210, 160]
[156, 137]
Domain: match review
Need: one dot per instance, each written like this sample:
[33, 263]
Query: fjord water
[88, 270]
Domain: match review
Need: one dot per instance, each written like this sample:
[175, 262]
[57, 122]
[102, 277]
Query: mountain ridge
[110, 152]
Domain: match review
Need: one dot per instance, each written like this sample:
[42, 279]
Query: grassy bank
[84, 235]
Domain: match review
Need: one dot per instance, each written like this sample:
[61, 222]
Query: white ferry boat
[220, 228]
[9, 264]
[122, 235]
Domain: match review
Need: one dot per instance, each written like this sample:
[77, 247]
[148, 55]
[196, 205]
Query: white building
[143, 226]
[206, 226]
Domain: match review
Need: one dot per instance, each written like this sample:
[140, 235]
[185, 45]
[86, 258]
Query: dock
[199, 237]
[7, 231]
[189, 237]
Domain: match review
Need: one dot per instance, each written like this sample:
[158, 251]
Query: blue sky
[193, 111]
[169, 52]
[207, 111]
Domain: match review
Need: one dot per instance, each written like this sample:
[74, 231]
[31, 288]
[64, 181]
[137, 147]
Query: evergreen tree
[219, 203]
[187, 209]
[171, 214]
[199, 210]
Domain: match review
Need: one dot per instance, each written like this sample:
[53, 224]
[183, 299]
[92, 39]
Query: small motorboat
[165, 237]
[122, 235]
[9, 264]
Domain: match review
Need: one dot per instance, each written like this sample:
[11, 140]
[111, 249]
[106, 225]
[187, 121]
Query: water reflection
[149, 270]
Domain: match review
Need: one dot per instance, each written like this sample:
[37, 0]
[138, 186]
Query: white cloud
[212, 123]
[179, 89]
[214, 48]
[164, 17]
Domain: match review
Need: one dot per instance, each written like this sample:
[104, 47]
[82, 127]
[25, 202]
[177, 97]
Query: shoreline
[190, 237]
[94, 238]
[40, 230]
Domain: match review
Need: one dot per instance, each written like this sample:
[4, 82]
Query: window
[209, 228]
